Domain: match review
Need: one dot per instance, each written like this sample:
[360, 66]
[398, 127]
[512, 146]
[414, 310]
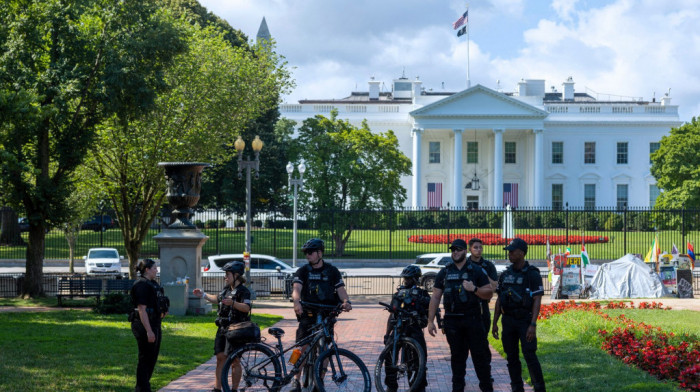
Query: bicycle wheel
[407, 374]
[307, 379]
[260, 370]
[341, 370]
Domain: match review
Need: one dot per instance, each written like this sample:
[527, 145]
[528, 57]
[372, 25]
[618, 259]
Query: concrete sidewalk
[361, 331]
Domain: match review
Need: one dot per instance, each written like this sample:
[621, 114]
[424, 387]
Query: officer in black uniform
[151, 305]
[315, 282]
[234, 307]
[412, 298]
[464, 286]
[519, 297]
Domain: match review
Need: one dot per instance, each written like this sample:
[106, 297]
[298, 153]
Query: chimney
[569, 89]
[417, 88]
[373, 89]
[522, 88]
[666, 100]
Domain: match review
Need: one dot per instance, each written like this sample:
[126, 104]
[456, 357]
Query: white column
[457, 181]
[416, 159]
[497, 195]
[539, 167]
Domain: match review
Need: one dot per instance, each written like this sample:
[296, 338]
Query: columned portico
[539, 166]
[416, 169]
[457, 181]
[497, 194]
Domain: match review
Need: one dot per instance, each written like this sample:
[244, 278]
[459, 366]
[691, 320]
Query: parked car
[431, 263]
[98, 223]
[23, 224]
[278, 270]
[103, 261]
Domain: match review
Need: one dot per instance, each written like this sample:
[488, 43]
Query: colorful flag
[462, 31]
[674, 250]
[584, 256]
[691, 253]
[510, 194]
[461, 21]
[653, 254]
[434, 195]
[568, 251]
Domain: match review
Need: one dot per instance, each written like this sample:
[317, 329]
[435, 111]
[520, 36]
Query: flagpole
[469, 82]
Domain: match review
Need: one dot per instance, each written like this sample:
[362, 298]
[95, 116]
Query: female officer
[234, 307]
[145, 321]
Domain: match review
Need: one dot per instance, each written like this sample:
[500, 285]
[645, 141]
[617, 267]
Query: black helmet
[314, 244]
[236, 267]
[412, 271]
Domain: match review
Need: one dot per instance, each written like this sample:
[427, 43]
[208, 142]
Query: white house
[527, 148]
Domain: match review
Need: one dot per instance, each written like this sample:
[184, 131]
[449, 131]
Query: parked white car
[103, 261]
[431, 263]
[277, 270]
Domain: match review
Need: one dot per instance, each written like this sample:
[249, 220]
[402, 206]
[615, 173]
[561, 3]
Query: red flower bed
[496, 239]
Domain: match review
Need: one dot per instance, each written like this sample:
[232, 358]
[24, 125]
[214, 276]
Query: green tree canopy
[676, 167]
[349, 168]
[64, 67]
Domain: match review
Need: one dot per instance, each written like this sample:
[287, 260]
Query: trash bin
[177, 293]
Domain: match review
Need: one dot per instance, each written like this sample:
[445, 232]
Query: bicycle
[263, 366]
[402, 364]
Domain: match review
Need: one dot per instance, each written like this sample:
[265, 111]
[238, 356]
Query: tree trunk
[71, 253]
[9, 229]
[32, 286]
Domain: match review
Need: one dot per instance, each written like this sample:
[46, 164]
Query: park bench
[78, 287]
[118, 286]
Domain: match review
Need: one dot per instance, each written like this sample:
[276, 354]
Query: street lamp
[298, 183]
[249, 165]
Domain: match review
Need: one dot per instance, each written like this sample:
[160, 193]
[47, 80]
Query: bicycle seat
[276, 332]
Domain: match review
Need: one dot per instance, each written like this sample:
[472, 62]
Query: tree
[65, 66]
[675, 166]
[215, 90]
[81, 203]
[349, 168]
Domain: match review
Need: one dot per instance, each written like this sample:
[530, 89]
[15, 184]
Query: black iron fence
[608, 233]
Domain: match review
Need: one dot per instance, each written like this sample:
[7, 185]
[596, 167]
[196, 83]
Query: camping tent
[626, 277]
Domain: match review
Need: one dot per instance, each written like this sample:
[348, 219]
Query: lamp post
[249, 165]
[297, 183]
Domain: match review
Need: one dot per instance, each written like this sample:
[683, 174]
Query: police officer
[412, 298]
[316, 282]
[234, 307]
[151, 305]
[519, 297]
[464, 286]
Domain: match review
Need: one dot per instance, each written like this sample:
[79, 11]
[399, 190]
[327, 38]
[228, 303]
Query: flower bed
[496, 239]
[663, 355]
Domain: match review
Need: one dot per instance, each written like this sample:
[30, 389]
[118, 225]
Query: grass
[571, 358]
[74, 350]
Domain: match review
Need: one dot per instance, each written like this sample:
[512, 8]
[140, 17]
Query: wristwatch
[475, 289]
[533, 324]
[348, 301]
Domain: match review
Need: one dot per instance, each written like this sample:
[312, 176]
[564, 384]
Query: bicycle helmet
[314, 244]
[411, 271]
[236, 267]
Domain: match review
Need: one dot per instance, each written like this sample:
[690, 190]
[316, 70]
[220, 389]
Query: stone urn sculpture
[184, 181]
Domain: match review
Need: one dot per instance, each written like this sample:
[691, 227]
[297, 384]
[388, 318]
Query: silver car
[268, 267]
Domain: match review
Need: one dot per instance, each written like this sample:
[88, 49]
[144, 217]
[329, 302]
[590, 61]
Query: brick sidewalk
[360, 331]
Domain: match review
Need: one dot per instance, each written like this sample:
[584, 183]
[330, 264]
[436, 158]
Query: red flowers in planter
[496, 239]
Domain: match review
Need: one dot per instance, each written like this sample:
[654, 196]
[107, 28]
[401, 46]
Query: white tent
[626, 277]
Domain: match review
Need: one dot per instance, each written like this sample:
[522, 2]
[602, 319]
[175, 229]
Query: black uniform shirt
[239, 294]
[531, 279]
[476, 275]
[319, 285]
[145, 292]
[488, 267]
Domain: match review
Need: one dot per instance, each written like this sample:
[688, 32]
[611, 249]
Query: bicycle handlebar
[397, 310]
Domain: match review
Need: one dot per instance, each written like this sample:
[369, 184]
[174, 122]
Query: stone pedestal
[180, 256]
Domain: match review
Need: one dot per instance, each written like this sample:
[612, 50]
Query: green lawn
[571, 358]
[363, 244]
[78, 350]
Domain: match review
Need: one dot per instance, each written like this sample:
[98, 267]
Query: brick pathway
[360, 331]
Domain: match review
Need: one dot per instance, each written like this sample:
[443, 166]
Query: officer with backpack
[234, 307]
[463, 285]
[520, 293]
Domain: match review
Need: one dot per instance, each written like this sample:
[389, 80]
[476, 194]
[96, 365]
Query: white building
[528, 148]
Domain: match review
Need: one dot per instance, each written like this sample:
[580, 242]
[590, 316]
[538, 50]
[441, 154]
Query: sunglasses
[309, 251]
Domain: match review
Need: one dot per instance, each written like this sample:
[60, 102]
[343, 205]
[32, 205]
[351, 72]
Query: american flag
[462, 20]
[434, 194]
[510, 194]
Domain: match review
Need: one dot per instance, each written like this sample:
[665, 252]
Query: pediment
[479, 101]
[589, 176]
[556, 177]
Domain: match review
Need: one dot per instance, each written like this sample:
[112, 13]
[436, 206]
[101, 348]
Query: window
[589, 196]
[557, 152]
[445, 260]
[589, 153]
[557, 196]
[622, 148]
[653, 147]
[510, 152]
[622, 190]
[472, 152]
[653, 194]
[473, 202]
[434, 152]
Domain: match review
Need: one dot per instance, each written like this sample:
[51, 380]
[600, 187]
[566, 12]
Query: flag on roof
[462, 31]
[461, 21]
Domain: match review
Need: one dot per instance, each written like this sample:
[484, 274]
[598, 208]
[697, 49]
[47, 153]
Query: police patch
[519, 281]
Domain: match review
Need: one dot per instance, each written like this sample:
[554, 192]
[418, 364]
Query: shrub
[115, 303]
[613, 223]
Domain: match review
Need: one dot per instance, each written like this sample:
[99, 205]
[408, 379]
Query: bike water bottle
[296, 353]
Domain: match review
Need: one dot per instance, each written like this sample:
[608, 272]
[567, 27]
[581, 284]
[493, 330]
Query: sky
[614, 50]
